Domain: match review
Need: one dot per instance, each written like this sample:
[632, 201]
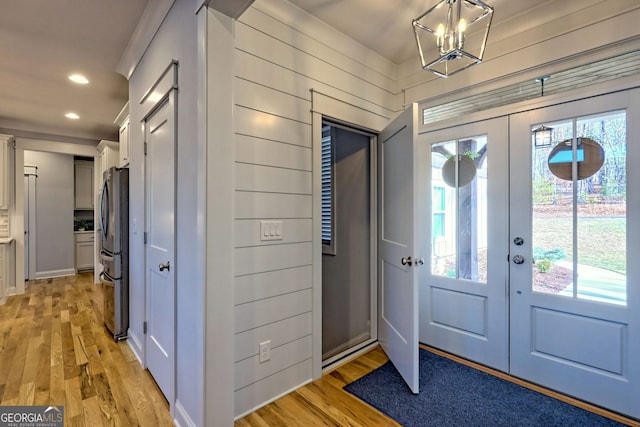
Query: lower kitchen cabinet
[7, 272]
[84, 250]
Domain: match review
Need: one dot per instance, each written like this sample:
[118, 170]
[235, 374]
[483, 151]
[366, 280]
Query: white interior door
[399, 257]
[463, 292]
[26, 227]
[30, 178]
[575, 231]
[160, 138]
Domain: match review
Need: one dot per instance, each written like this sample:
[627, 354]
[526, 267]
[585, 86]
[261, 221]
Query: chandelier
[452, 35]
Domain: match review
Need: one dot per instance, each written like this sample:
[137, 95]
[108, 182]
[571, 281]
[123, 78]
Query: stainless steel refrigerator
[114, 250]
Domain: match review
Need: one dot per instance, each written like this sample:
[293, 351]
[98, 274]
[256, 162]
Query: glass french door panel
[459, 208]
[601, 213]
[552, 212]
[579, 209]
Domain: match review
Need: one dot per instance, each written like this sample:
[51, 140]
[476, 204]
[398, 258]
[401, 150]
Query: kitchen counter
[5, 240]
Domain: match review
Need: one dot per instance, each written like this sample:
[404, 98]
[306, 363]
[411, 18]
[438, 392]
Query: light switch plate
[270, 230]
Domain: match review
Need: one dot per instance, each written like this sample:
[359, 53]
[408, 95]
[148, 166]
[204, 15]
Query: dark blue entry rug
[452, 394]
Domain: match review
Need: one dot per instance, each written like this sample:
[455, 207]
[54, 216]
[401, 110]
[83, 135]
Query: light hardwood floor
[324, 402]
[55, 350]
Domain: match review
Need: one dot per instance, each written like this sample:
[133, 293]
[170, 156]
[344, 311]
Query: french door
[574, 233]
[532, 243]
[463, 298]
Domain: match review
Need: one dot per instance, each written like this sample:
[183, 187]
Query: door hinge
[144, 328]
[145, 148]
[145, 237]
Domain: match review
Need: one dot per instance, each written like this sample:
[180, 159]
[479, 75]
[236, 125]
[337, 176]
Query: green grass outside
[601, 240]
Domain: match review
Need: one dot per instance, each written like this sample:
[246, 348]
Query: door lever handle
[165, 266]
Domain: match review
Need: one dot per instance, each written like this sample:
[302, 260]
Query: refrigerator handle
[106, 257]
[105, 280]
[104, 219]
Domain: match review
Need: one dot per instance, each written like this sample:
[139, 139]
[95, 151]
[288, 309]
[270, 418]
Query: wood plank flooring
[55, 350]
[324, 402]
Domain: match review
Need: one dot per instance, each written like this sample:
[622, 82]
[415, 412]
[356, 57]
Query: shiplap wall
[281, 54]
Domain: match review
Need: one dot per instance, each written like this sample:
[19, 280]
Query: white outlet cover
[265, 351]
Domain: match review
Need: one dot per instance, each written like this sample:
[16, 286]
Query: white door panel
[160, 245]
[575, 303]
[398, 324]
[464, 308]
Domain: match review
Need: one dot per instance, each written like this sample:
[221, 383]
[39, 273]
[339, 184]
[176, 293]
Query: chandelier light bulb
[462, 25]
[440, 36]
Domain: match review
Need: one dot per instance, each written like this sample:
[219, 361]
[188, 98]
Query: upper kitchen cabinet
[7, 147]
[109, 155]
[83, 172]
[123, 121]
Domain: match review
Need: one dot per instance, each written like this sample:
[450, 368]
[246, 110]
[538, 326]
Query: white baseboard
[135, 345]
[182, 418]
[55, 273]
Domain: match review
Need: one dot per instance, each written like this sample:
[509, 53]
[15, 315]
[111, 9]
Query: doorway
[536, 280]
[30, 182]
[348, 241]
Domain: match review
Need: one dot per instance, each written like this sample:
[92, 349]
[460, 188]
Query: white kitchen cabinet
[7, 162]
[84, 250]
[3, 266]
[83, 184]
[7, 271]
[108, 154]
[123, 122]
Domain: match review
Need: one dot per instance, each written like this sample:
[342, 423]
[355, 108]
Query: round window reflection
[466, 171]
[589, 159]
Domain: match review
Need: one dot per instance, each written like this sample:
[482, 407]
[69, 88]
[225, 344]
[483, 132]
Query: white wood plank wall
[281, 54]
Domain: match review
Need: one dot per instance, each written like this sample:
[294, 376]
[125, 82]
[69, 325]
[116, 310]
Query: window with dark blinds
[328, 156]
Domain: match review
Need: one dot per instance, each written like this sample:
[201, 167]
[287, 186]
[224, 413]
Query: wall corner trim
[148, 25]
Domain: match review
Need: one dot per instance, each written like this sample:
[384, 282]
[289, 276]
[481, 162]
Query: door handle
[406, 260]
[518, 259]
[165, 266]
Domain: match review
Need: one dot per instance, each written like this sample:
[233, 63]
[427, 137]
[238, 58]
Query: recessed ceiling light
[78, 78]
[72, 116]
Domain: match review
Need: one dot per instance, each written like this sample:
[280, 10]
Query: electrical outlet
[265, 351]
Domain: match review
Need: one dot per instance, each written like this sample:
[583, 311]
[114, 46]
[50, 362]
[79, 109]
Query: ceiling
[43, 41]
[384, 26]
